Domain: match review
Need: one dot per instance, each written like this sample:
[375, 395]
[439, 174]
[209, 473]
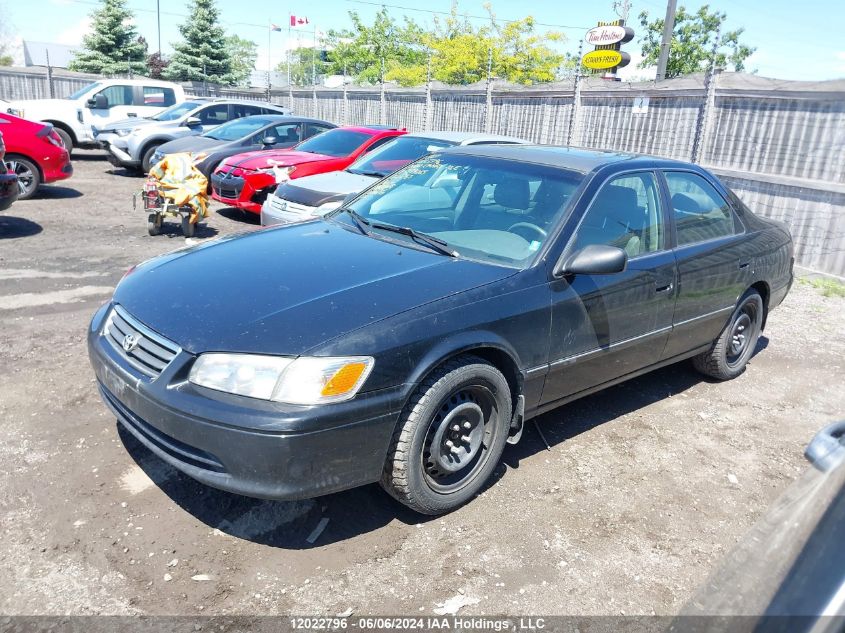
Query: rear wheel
[28, 175]
[450, 436]
[735, 345]
[188, 228]
[153, 224]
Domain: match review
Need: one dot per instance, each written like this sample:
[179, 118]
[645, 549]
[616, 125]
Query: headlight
[123, 132]
[305, 380]
[329, 206]
[17, 112]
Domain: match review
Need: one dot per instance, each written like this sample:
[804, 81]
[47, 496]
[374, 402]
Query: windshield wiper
[359, 172]
[434, 243]
[360, 221]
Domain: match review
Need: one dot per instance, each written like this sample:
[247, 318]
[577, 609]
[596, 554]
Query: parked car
[319, 194]
[9, 188]
[263, 131]
[173, 116]
[245, 180]
[788, 572]
[135, 150]
[35, 153]
[98, 104]
[407, 336]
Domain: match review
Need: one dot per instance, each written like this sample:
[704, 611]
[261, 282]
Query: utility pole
[158, 26]
[668, 27]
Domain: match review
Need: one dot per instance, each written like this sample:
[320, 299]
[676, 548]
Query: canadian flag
[296, 20]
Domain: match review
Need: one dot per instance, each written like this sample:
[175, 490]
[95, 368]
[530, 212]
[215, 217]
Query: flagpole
[287, 47]
[269, 58]
[314, 59]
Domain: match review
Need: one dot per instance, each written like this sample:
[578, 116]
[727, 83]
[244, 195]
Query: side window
[625, 213]
[313, 129]
[240, 110]
[287, 133]
[214, 114]
[118, 95]
[158, 97]
[701, 213]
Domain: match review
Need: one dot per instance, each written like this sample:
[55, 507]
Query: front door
[607, 326]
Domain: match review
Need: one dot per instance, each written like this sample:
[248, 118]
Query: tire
[188, 228]
[153, 224]
[29, 177]
[422, 470]
[147, 157]
[735, 346]
[66, 139]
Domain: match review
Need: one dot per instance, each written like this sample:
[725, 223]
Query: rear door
[607, 326]
[212, 115]
[152, 99]
[713, 259]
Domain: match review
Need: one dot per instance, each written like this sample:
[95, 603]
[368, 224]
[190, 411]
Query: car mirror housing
[192, 121]
[269, 140]
[98, 102]
[594, 259]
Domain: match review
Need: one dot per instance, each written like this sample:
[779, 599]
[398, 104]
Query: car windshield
[334, 143]
[84, 90]
[395, 154]
[488, 209]
[176, 111]
[237, 129]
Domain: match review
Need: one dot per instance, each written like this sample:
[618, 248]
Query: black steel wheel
[735, 346]
[188, 227]
[28, 175]
[153, 224]
[450, 436]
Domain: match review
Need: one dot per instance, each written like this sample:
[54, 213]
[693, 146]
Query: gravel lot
[628, 512]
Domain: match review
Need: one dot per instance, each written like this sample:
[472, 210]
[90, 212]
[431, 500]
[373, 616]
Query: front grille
[277, 204]
[224, 192]
[146, 351]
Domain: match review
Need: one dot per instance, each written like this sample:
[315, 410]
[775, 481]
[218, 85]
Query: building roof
[35, 54]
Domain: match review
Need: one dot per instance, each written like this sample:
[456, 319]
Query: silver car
[313, 196]
[135, 149]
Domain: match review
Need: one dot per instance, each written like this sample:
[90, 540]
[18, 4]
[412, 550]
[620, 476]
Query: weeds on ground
[827, 286]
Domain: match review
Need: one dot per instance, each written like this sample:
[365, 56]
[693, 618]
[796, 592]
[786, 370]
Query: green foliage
[6, 60]
[828, 286]
[304, 63]
[202, 55]
[242, 53]
[359, 51]
[459, 50]
[693, 38]
[113, 47]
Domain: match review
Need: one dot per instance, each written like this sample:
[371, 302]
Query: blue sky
[794, 40]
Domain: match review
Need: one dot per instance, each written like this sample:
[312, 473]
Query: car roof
[284, 118]
[582, 160]
[373, 129]
[466, 138]
[253, 102]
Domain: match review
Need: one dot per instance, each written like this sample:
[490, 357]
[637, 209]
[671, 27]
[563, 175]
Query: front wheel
[735, 346]
[28, 175]
[153, 224]
[188, 227]
[147, 158]
[450, 436]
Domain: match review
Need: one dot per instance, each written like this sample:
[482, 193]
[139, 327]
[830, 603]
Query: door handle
[667, 288]
[743, 265]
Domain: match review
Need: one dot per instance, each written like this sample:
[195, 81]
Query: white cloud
[72, 35]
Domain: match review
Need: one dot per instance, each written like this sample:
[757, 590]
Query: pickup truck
[76, 116]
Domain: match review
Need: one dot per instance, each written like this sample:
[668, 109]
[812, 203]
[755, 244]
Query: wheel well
[25, 157]
[64, 127]
[763, 288]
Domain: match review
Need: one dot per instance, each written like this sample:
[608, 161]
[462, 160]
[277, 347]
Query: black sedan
[407, 336]
[9, 187]
[262, 131]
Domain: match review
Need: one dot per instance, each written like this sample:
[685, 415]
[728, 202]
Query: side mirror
[98, 102]
[192, 121]
[827, 448]
[595, 259]
[269, 140]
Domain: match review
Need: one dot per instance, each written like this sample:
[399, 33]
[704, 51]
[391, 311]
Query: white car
[76, 117]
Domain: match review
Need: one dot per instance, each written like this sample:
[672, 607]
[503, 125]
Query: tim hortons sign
[604, 35]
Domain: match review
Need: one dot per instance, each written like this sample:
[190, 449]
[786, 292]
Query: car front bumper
[272, 212]
[120, 156]
[9, 190]
[246, 446]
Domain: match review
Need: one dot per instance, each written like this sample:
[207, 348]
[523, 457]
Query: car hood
[322, 188]
[37, 107]
[131, 123]
[192, 144]
[260, 159]
[286, 290]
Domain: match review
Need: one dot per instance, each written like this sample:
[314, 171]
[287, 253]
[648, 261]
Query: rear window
[158, 96]
[334, 143]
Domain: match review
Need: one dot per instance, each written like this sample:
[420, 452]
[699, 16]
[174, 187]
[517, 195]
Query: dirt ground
[645, 488]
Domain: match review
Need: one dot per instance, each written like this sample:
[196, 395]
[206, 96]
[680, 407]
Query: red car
[34, 152]
[244, 180]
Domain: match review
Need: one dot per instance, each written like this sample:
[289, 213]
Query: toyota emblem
[130, 342]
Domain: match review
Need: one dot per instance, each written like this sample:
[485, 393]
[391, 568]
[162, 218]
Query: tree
[242, 53]
[693, 37]
[361, 50]
[304, 63]
[113, 47]
[202, 54]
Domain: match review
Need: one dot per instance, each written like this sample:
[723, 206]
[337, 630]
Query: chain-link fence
[779, 144]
